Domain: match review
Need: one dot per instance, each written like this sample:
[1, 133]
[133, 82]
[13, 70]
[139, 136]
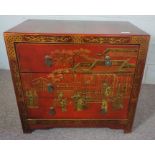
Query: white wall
[146, 23]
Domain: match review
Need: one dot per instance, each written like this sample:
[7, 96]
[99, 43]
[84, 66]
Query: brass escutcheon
[107, 60]
[48, 61]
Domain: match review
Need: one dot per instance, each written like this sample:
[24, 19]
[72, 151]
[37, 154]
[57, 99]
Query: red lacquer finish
[65, 56]
[76, 74]
[90, 88]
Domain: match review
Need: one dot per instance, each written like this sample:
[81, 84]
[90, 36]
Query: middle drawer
[79, 58]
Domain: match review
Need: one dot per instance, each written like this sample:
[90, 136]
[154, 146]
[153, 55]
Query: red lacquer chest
[76, 73]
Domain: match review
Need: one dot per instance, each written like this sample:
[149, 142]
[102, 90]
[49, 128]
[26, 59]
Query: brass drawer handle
[48, 61]
[50, 88]
[107, 61]
[52, 111]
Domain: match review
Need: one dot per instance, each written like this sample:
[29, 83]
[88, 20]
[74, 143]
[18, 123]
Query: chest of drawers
[76, 73]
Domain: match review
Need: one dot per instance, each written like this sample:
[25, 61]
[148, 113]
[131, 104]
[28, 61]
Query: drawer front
[77, 58]
[74, 96]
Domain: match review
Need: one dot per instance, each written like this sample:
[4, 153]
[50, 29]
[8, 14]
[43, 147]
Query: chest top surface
[77, 27]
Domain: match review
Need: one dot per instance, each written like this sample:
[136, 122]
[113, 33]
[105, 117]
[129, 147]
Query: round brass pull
[107, 61]
[50, 88]
[48, 61]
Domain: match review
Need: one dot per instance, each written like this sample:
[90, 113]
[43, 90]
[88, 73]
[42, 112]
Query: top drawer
[82, 58]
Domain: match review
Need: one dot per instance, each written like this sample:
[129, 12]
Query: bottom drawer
[77, 96]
